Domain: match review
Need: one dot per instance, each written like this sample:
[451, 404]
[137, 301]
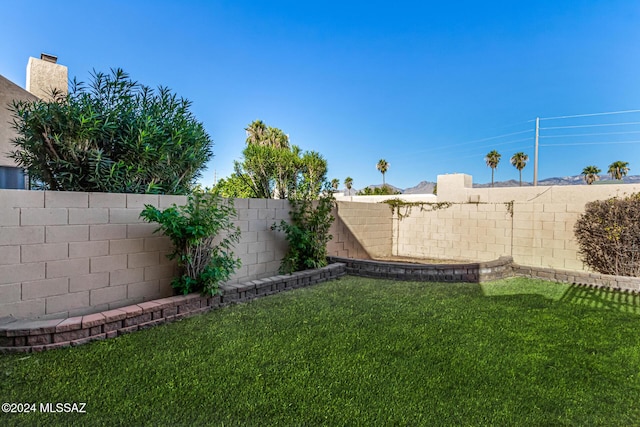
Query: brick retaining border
[501, 268]
[580, 278]
[468, 272]
[23, 336]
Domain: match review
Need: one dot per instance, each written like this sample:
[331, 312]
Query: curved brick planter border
[482, 272]
[37, 335]
[469, 272]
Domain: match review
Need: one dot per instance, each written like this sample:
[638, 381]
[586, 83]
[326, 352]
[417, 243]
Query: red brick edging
[18, 336]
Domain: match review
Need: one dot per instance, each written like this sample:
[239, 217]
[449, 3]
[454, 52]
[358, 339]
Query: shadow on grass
[602, 298]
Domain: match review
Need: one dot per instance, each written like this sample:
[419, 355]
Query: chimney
[44, 75]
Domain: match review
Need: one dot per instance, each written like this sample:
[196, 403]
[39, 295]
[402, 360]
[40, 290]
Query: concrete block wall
[475, 232]
[344, 243]
[537, 235]
[66, 254]
[260, 249]
[361, 230]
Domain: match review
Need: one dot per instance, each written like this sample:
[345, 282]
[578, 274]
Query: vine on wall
[396, 205]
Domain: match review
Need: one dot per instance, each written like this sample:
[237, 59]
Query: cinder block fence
[65, 254]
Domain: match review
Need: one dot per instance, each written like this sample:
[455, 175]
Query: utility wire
[591, 126]
[480, 140]
[480, 155]
[590, 143]
[591, 115]
[589, 134]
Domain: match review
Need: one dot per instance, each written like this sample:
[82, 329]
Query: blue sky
[429, 86]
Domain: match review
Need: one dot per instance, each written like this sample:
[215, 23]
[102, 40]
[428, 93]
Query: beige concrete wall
[362, 230]
[458, 188]
[65, 253]
[378, 199]
[538, 234]
[474, 232]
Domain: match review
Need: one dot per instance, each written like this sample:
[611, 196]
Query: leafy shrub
[608, 235]
[203, 234]
[308, 233]
[385, 190]
[113, 136]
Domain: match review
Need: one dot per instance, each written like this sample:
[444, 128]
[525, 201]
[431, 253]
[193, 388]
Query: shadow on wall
[344, 244]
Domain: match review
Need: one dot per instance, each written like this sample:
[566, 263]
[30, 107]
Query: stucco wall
[65, 254]
[9, 92]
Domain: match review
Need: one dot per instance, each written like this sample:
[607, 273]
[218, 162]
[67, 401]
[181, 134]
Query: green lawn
[358, 352]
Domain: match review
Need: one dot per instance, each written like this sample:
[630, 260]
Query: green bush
[385, 190]
[308, 233]
[113, 135]
[203, 234]
[608, 235]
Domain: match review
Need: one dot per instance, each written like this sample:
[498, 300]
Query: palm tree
[348, 182]
[492, 159]
[519, 161]
[383, 167]
[256, 132]
[335, 182]
[618, 169]
[591, 174]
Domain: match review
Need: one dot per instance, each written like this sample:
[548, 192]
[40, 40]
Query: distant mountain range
[426, 187]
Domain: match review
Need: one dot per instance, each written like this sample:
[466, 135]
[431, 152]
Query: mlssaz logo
[63, 407]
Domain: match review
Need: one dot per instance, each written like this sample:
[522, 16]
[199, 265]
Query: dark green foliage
[113, 136]
[385, 190]
[308, 232]
[608, 234]
[203, 234]
[357, 352]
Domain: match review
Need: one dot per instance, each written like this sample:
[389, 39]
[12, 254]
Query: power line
[591, 126]
[589, 134]
[590, 143]
[478, 154]
[481, 140]
[591, 115]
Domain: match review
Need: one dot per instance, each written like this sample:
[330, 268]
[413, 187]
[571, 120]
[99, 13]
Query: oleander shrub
[203, 235]
[113, 135]
[608, 235]
[308, 232]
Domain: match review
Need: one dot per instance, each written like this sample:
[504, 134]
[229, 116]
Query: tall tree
[492, 158]
[383, 167]
[259, 133]
[256, 132]
[272, 168]
[335, 183]
[618, 169]
[519, 161]
[591, 174]
[348, 182]
[314, 171]
[233, 187]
